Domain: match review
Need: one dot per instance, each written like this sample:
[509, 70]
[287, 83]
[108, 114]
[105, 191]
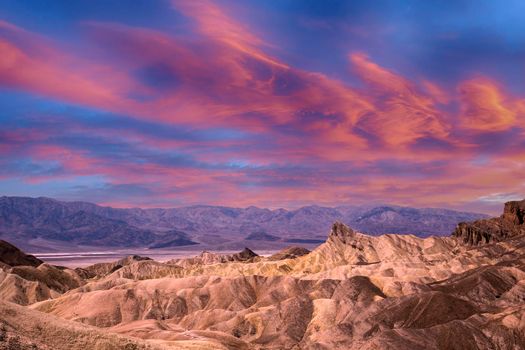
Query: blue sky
[268, 103]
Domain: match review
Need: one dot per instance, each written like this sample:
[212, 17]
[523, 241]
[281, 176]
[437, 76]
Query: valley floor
[85, 258]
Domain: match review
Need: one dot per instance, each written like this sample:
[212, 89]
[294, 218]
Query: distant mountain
[261, 236]
[421, 222]
[29, 221]
[173, 238]
[42, 223]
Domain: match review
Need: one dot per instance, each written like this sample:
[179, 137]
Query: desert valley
[354, 291]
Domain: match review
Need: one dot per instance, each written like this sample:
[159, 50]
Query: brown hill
[103, 269]
[25, 329]
[289, 253]
[209, 258]
[12, 256]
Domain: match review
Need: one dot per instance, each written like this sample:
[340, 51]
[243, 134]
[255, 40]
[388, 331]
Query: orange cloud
[377, 76]
[214, 23]
[361, 142]
[484, 107]
[436, 92]
[401, 114]
[52, 77]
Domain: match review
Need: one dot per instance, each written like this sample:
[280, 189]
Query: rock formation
[209, 258]
[12, 256]
[341, 232]
[355, 291]
[103, 269]
[514, 212]
[509, 224]
[289, 253]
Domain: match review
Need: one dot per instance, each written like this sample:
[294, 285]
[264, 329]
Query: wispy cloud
[213, 111]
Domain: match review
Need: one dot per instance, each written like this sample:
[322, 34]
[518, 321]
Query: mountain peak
[246, 254]
[341, 232]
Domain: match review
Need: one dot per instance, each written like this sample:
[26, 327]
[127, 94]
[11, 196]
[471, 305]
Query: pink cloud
[485, 107]
[401, 113]
[225, 78]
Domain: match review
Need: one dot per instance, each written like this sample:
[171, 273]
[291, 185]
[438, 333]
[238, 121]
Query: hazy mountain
[421, 222]
[261, 236]
[34, 221]
[41, 222]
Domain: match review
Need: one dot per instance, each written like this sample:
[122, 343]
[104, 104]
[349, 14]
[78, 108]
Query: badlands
[465, 291]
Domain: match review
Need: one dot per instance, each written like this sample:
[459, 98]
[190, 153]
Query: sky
[268, 103]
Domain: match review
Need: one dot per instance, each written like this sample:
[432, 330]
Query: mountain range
[354, 291]
[48, 224]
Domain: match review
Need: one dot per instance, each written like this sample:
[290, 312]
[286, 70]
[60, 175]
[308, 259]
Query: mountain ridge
[354, 291]
[30, 222]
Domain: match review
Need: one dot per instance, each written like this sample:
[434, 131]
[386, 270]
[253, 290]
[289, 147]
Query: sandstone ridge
[509, 224]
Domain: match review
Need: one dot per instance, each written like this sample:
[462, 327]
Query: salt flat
[86, 258]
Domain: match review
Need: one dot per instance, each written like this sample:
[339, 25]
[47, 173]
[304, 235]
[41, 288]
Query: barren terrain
[354, 291]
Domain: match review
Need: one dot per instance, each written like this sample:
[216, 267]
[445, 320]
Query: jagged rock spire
[514, 212]
[341, 232]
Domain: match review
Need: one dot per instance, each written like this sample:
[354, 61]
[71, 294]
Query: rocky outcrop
[27, 284]
[24, 279]
[509, 224]
[103, 269]
[289, 253]
[341, 232]
[245, 255]
[208, 258]
[514, 212]
[12, 256]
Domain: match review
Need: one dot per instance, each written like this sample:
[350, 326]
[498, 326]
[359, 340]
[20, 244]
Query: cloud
[484, 107]
[401, 113]
[215, 24]
[211, 113]
[501, 197]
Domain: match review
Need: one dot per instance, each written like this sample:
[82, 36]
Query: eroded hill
[353, 292]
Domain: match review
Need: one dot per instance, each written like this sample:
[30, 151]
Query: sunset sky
[266, 103]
